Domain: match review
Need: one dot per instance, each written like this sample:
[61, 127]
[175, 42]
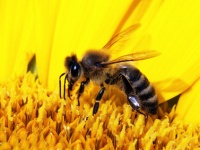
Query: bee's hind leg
[131, 96]
[134, 104]
[81, 88]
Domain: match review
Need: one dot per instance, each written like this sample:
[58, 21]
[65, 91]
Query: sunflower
[38, 35]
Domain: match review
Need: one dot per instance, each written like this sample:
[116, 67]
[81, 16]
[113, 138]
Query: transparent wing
[121, 37]
[133, 57]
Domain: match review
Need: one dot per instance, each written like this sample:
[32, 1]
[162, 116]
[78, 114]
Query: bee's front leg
[98, 98]
[81, 88]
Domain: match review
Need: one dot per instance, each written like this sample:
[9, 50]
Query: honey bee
[97, 66]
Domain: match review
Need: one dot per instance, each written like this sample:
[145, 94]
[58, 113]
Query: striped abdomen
[143, 91]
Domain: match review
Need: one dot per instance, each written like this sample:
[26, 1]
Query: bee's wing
[133, 57]
[122, 36]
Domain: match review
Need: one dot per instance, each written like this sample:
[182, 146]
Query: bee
[97, 66]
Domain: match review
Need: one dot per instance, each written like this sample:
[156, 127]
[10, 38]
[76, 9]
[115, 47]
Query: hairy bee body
[92, 68]
[136, 86]
[97, 66]
[125, 76]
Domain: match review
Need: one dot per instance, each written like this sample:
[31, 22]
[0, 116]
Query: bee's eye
[97, 64]
[75, 69]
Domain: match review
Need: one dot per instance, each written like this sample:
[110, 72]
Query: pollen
[32, 117]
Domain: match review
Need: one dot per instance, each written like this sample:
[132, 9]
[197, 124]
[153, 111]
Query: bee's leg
[131, 96]
[134, 104]
[81, 88]
[128, 89]
[60, 84]
[98, 98]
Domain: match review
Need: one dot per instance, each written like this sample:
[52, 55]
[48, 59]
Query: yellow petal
[66, 27]
[174, 31]
[16, 40]
[188, 105]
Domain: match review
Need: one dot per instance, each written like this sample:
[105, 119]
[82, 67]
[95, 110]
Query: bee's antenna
[65, 86]
[60, 83]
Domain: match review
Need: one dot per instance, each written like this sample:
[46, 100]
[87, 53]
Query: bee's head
[74, 69]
